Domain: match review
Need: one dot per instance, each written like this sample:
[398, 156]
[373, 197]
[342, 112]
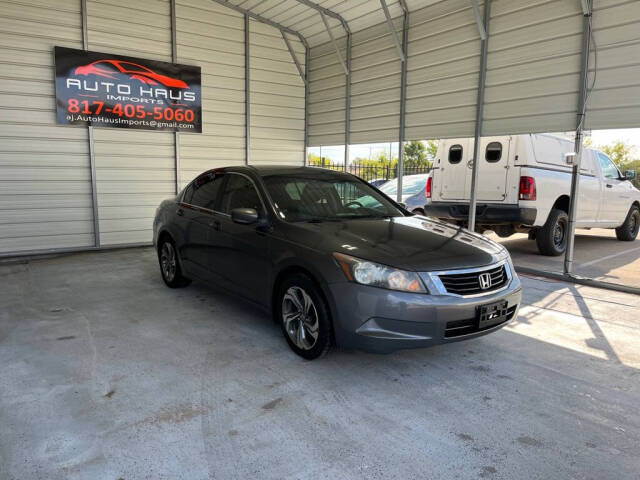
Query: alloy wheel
[168, 261]
[300, 318]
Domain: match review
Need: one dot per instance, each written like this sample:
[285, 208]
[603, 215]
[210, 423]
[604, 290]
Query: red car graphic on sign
[105, 68]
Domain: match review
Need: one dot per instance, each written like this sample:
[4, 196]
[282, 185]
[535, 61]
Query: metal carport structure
[566, 27]
[283, 75]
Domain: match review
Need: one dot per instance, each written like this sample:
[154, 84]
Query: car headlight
[377, 275]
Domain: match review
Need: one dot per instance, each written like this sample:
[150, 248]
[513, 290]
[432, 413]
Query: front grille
[457, 328]
[469, 283]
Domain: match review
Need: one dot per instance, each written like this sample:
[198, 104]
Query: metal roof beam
[294, 57]
[479, 20]
[327, 12]
[333, 40]
[392, 29]
[262, 19]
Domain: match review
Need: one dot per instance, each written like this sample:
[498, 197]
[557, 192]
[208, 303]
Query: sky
[335, 153]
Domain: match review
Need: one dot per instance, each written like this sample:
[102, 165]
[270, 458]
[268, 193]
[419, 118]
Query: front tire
[170, 265]
[628, 231]
[552, 237]
[304, 317]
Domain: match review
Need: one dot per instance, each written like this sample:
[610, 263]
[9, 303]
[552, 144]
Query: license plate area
[492, 314]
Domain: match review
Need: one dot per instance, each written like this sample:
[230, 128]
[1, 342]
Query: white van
[524, 183]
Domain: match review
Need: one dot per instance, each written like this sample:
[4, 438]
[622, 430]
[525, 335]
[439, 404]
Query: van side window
[455, 154]
[494, 152]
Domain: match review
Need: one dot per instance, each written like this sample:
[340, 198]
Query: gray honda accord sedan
[334, 260]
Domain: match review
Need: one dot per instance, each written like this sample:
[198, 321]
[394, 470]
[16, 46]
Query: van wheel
[628, 231]
[552, 237]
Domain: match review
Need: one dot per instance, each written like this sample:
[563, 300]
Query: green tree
[420, 154]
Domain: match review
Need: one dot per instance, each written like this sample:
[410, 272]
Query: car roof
[284, 170]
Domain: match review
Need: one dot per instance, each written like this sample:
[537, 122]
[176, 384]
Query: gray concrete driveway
[107, 374]
[598, 254]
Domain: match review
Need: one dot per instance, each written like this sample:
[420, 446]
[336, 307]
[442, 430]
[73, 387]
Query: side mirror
[244, 216]
[630, 174]
[570, 158]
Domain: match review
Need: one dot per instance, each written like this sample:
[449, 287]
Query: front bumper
[382, 321]
[488, 213]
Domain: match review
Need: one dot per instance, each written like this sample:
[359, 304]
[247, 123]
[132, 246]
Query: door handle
[609, 185]
[180, 212]
[215, 224]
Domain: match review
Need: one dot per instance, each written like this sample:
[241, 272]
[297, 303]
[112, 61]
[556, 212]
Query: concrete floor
[598, 254]
[107, 374]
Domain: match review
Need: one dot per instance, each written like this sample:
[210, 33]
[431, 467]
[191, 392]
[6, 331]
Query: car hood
[411, 243]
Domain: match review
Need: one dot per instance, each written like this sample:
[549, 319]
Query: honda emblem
[484, 279]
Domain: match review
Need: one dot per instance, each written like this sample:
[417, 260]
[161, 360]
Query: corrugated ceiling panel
[442, 71]
[375, 85]
[139, 184]
[212, 36]
[45, 189]
[277, 98]
[615, 99]
[533, 66]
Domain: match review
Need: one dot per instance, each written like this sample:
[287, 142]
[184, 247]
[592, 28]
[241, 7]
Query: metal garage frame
[401, 44]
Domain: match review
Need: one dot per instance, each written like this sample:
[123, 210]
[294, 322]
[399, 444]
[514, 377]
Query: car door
[616, 198]
[243, 250]
[199, 231]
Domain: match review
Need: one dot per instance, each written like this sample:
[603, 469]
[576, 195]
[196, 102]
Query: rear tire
[628, 231]
[304, 317]
[552, 237]
[169, 261]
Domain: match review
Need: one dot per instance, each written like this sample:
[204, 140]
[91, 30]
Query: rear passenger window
[205, 190]
[494, 152]
[455, 153]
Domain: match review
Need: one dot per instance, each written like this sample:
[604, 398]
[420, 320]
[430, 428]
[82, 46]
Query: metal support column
[479, 116]
[92, 155]
[307, 56]
[582, 105]
[403, 97]
[174, 59]
[347, 115]
[247, 90]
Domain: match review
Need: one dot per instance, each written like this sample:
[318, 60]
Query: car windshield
[317, 198]
[410, 185]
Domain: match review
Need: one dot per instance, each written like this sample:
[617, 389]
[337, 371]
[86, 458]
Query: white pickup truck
[524, 183]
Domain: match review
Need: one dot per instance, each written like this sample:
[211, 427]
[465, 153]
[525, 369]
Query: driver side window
[609, 169]
[240, 193]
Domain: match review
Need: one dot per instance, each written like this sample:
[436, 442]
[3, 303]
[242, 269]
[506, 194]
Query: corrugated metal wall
[134, 168]
[45, 192]
[212, 36]
[277, 97]
[327, 93]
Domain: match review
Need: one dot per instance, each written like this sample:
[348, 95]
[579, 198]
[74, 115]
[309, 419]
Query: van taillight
[429, 187]
[527, 188]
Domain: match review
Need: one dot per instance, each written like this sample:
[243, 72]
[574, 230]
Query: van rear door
[454, 177]
[493, 157]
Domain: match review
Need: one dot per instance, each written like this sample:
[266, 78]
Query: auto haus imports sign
[106, 90]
